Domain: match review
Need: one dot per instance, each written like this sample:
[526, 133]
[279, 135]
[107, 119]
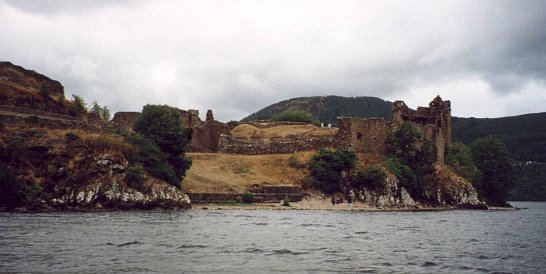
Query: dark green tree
[78, 107]
[459, 157]
[371, 177]
[495, 164]
[326, 168]
[410, 157]
[295, 116]
[162, 125]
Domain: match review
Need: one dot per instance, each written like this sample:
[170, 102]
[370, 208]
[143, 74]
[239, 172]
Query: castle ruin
[363, 135]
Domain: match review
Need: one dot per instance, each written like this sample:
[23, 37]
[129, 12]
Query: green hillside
[328, 108]
[524, 135]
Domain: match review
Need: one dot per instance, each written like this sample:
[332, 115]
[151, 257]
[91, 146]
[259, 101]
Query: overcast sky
[236, 57]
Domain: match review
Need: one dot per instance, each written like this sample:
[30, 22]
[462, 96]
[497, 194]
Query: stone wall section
[363, 135]
[278, 145]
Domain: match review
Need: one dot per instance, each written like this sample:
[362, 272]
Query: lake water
[276, 241]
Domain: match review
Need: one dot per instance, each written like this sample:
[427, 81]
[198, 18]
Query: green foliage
[410, 158]
[154, 161]
[326, 168]
[70, 136]
[162, 125]
[493, 160]
[523, 135]
[459, 157]
[294, 162]
[295, 116]
[15, 193]
[371, 177]
[405, 175]
[402, 142]
[247, 198]
[102, 112]
[11, 194]
[134, 176]
[529, 185]
[78, 107]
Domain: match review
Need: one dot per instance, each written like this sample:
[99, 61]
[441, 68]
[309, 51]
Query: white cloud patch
[236, 57]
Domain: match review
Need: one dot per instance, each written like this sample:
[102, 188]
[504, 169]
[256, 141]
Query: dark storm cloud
[236, 57]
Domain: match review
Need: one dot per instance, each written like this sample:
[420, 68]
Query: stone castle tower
[434, 121]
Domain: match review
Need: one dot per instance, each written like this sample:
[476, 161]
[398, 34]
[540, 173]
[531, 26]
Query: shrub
[163, 126]
[78, 107]
[71, 136]
[294, 162]
[326, 168]
[134, 176]
[405, 175]
[295, 116]
[11, 194]
[248, 198]
[154, 161]
[371, 177]
[495, 164]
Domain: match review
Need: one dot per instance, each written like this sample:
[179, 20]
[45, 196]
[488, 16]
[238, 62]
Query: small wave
[129, 243]
[252, 250]
[483, 257]
[260, 223]
[427, 264]
[192, 246]
[361, 232]
[442, 221]
[306, 225]
[286, 252]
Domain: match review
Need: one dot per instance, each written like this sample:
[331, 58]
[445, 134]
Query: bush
[405, 176]
[134, 177]
[14, 193]
[371, 177]
[11, 194]
[295, 116]
[71, 136]
[294, 162]
[248, 198]
[326, 169]
[154, 161]
[495, 164]
[163, 126]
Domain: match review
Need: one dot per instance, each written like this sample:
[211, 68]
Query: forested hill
[328, 108]
[524, 135]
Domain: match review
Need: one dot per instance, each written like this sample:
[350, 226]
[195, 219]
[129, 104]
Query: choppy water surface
[276, 241]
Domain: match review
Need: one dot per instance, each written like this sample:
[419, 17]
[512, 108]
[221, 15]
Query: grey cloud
[239, 57]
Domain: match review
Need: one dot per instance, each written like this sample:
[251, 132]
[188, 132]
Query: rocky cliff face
[20, 87]
[77, 169]
[444, 189]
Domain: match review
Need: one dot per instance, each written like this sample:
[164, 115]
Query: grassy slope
[227, 173]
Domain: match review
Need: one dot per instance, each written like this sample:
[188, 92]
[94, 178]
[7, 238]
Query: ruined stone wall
[28, 120]
[278, 145]
[125, 119]
[434, 121]
[363, 135]
[206, 138]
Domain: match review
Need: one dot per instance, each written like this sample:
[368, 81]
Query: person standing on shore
[351, 199]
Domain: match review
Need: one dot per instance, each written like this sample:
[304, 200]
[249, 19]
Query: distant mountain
[328, 108]
[524, 135]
